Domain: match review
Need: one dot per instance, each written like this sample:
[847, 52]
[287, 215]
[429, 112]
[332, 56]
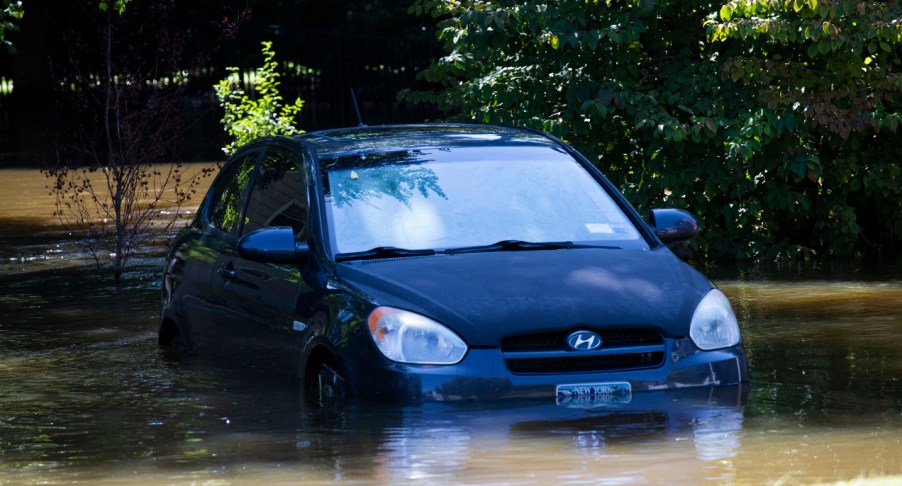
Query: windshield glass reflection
[448, 198]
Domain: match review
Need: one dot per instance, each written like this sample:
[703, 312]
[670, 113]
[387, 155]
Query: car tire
[326, 385]
[179, 345]
[176, 351]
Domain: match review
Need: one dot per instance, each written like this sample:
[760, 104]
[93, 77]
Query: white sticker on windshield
[599, 228]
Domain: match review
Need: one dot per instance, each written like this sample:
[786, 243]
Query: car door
[260, 317]
[198, 255]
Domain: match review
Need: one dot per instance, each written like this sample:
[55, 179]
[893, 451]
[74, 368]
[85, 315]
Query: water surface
[87, 397]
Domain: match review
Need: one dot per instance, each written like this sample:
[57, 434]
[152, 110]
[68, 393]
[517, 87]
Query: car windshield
[459, 197]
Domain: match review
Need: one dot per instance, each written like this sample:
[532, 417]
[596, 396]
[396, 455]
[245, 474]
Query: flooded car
[443, 262]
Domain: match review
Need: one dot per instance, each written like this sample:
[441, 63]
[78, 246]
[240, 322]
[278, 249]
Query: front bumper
[483, 375]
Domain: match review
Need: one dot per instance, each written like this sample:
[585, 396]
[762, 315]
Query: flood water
[87, 397]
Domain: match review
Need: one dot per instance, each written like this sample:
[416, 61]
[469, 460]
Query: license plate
[593, 394]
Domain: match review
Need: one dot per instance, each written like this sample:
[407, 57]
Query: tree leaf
[812, 50]
[726, 12]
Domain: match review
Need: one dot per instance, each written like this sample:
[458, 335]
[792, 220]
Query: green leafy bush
[774, 121]
[247, 118]
[11, 13]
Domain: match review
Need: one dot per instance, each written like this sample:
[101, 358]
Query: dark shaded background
[325, 48]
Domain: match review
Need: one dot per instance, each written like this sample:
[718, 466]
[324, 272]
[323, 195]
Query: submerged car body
[443, 262]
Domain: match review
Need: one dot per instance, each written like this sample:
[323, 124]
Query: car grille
[622, 349]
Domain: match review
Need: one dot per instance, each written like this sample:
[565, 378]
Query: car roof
[367, 139]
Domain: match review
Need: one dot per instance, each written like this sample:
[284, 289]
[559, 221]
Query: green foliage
[10, 12]
[825, 80]
[118, 5]
[774, 121]
[247, 118]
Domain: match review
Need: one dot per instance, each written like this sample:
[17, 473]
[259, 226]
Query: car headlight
[407, 337]
[714, 324]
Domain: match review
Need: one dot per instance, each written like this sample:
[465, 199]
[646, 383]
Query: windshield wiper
[381, 252]
[520, 245]
[503, 245]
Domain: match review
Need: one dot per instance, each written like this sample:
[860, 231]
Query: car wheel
[172, 343]
[325, 385]
[176, 352]
[178, 346]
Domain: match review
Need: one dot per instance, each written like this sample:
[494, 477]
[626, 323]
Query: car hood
[485, 297]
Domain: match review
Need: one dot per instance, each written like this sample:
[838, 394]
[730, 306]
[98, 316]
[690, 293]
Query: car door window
[231, 191]
[279, 196]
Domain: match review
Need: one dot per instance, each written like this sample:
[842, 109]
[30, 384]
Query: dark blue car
[443, 262]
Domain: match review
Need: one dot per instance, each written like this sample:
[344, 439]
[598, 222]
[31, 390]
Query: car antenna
[357, 109]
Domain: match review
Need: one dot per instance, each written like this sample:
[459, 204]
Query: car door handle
[227, 273]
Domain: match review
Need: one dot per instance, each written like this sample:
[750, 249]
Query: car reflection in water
[439, 441]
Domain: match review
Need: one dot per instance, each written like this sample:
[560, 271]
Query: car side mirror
[673, 225]
[272, 245]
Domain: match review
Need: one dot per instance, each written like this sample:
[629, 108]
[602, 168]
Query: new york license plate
[593, 394]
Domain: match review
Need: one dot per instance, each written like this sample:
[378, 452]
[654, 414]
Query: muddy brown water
[87, 397]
